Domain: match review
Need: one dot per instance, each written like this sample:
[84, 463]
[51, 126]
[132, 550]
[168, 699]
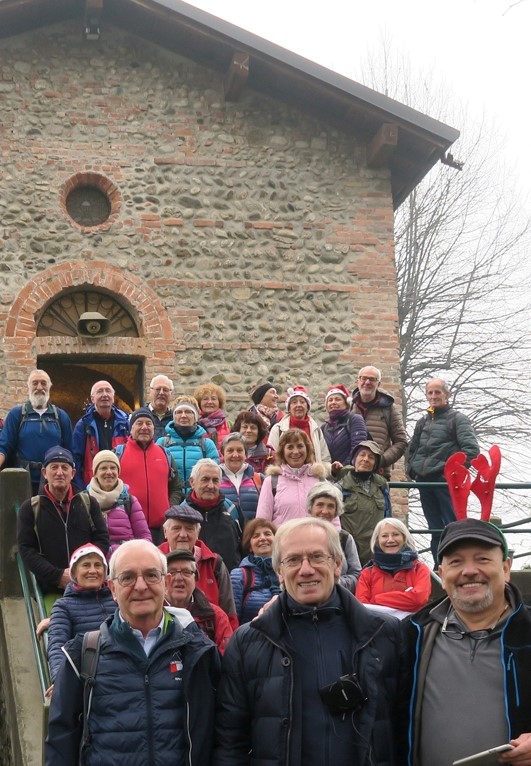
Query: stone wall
[265, 241]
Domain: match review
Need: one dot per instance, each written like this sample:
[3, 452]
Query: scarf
[268, 574]
[212, 421]
[268, 414]
[302, 425]
[394, 562]
[336, 416]
[206, 504]
[106, 500]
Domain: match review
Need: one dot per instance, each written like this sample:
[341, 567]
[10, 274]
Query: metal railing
[32, 594]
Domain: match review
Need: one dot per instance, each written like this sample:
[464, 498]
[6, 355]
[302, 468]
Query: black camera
[343, 696]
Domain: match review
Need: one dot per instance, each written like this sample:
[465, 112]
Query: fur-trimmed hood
[308, 469]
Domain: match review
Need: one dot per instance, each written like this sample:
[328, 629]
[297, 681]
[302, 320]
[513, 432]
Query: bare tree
[461, 240]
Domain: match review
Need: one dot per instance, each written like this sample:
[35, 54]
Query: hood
[373, 447]
[385, 399]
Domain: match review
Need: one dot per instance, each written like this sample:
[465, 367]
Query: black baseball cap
[474, 530]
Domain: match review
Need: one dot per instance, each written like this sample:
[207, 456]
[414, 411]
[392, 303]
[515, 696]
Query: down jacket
[248, 603]
[259, 708]
[79, 610]
[343, 435]
[438, 435]
[289, 501]
[125, 524]
[407, 589]
[246, 497]
[385, 426]
[156, 710]
[187, 450]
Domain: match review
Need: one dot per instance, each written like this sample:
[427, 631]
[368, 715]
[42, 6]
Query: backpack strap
[90, 654]
[36, 507]
[85, 499]
[257, 480]
[119, 450]
[248, 582]
[274, 484]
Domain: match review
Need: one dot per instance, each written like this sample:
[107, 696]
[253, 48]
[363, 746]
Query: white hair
[132, 545]
[205, 462]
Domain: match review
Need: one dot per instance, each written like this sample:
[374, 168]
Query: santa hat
[298, 391]
[86, 550]
[342, 391]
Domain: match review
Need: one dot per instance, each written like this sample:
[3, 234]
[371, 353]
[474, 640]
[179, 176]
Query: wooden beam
[382, 147]
[236, 76]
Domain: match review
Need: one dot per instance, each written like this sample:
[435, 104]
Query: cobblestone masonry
[250, 240]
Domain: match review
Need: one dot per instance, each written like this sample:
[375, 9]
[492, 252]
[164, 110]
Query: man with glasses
[317, 678]
[471, 655]
[152, 695]
[160, 395]
[383, 420]
[182, 591]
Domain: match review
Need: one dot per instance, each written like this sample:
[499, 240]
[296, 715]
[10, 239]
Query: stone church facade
[236, 239]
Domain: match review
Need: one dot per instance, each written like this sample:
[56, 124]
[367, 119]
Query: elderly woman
[239, 483]
[211, 400]
[122, 511]
[365, 495]
[394, 577]
[86, 603]
[298, 405]
[252, 428]
[284, 491]
[265, 404]
[343, 430]
[187, 441]
[325, 501]
[254, 582]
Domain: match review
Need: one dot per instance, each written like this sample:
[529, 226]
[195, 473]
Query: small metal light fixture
[92, 29]
[92, 324]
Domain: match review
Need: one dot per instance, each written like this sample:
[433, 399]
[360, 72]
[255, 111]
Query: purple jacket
[125, 521]
[342, 434]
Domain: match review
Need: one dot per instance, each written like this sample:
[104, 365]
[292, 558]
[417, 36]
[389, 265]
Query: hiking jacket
[343, 435]
[289, 500]
[85, 441]
[438, 435]
[363, 508]
[384, 424]
[322, 454]
[246, 497]
[187, 450]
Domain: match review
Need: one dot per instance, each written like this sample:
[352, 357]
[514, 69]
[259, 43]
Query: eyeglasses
[456, 634]
[367, 379]
[183, 572]
[150, 577]
[162, 389]
[313, 559]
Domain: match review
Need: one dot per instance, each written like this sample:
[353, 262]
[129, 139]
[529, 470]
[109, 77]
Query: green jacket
[363, 510]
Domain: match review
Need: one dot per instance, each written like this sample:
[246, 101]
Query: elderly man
[32, 428]
[317, 678]
[52, 525]
[181, 530]
[160, 395]
[149, 471]
[183, 591]
[152, 693]
[222, 521]
[384, 422]
[471, 655]
[103, 426]
[438, 434]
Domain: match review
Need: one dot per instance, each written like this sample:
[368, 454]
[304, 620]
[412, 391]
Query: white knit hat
[85, 550]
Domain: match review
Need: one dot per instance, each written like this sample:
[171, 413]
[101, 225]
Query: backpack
[24, 415]
[90, 654]
[451, 426]
[36, 506]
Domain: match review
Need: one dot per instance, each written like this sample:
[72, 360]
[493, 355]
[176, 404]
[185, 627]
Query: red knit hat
[298, 391]
[342, 391]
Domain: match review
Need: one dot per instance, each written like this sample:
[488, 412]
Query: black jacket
[46, 542]
[259, 711]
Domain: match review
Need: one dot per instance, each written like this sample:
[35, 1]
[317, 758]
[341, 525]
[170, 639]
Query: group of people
[272, 512]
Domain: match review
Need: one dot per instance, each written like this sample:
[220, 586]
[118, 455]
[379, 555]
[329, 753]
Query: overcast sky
[479, 49]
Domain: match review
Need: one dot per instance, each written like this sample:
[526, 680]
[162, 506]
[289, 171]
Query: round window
[88, 206]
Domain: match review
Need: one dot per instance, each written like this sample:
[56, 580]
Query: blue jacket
[186, 451]
[79, 610]
[515, 659]
[249, 603]
[343, 435]
[85, 441]
[26, 439]
[259, 699]
[246, 497]
[156, 710]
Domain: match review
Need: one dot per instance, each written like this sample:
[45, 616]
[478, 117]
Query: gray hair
[234, 437]
[167, 523]
[204, 463]
[378, 372]
[332, 536]
[325, 489]
[445, 387]
[161, 375]
[397, 524]
[139, 545]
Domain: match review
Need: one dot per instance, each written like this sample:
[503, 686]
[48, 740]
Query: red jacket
[407, 589]
[147, 473]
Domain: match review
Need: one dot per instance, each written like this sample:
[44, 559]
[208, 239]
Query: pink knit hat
[342, 391]
[298, 391]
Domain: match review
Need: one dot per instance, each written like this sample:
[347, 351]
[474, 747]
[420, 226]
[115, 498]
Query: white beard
[38, 401]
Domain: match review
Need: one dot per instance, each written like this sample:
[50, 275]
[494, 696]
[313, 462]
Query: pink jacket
[293, 485]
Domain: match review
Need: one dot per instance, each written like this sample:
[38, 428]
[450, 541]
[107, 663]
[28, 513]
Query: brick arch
[158, 343]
